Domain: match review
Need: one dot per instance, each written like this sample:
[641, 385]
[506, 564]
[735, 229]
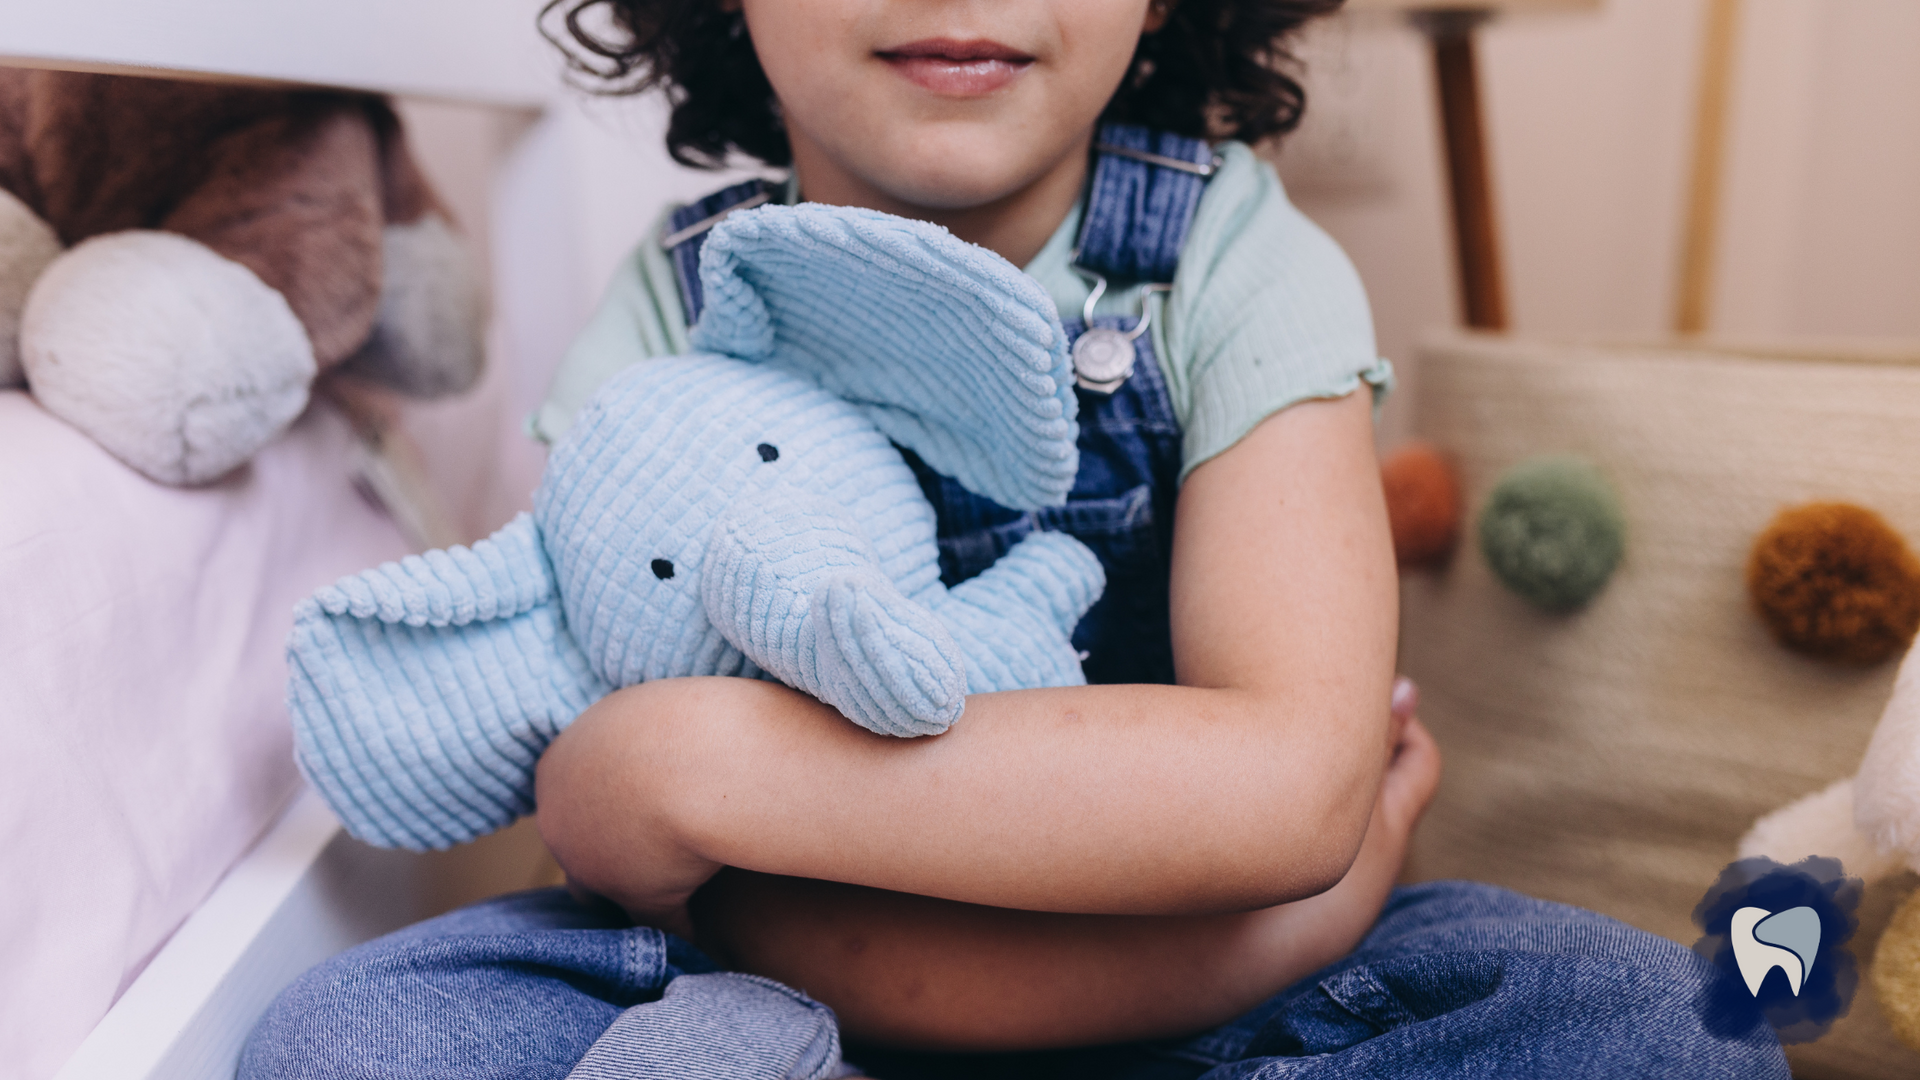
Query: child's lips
[957, 68]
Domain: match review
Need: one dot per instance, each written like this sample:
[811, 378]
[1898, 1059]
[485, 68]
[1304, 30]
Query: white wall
[463, 50]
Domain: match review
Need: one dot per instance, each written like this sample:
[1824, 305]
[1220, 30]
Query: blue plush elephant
[739, 511]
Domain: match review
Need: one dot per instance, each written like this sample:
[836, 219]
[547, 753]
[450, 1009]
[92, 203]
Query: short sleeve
[639, 318]
[1266, 311]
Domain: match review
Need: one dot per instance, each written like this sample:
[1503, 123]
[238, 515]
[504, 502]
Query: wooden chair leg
[1476, 237]
[1693, 303]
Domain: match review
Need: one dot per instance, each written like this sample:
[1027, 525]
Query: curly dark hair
[1217, 69]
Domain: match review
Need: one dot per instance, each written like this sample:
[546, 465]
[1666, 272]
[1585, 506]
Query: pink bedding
[141, 684]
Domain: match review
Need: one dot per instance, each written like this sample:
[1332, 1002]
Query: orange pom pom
[1423, 504]
[1835, 581]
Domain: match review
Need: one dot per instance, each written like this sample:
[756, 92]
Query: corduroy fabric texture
[423, 691]
[718, 515]
[1266, 311]
[686, 254]
[946, 347]
[1145, 243]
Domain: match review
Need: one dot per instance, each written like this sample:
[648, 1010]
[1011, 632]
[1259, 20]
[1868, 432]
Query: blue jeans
[1455, 979]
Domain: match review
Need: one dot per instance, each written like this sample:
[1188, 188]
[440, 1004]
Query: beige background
[1590, 120]
[1612, 757]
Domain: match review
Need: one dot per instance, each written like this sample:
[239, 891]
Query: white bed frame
[306, 891]
[481, 51]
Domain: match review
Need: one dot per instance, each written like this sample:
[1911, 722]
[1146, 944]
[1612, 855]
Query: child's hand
[1404, 704]
[1413, 766]
[606, 822]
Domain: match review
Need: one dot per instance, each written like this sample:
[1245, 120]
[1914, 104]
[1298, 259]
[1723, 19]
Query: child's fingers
[1406, 698]
[1412, 776]
[1402, 705]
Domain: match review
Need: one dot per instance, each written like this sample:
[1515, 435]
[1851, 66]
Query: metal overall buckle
[1103, 358]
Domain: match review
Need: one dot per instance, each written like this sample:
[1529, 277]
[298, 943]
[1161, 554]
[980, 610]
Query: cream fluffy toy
[1871, 823]
[179, 261]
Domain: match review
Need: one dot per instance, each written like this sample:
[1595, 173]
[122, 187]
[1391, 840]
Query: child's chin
[948, 173]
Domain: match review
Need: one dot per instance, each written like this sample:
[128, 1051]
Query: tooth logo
[1763, 940]
[1761, 915]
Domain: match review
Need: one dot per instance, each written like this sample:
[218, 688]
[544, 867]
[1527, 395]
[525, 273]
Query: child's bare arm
[1247, 786]
[933, 974]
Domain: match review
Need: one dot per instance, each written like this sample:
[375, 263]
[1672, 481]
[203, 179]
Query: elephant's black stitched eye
[768, 451]
[662, 569]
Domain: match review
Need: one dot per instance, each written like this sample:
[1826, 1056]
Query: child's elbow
[1325, 860]
[1308, 837]
[1279, 869]
[1343, 833]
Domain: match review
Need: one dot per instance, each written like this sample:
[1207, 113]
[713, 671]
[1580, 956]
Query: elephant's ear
[951, 350]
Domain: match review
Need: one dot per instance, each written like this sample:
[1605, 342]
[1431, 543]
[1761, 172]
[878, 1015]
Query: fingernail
[1406, 696]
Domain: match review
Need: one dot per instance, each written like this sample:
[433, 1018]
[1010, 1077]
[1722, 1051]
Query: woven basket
[1611, 758]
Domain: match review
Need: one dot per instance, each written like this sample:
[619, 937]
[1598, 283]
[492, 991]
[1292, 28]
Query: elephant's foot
[1015, 621]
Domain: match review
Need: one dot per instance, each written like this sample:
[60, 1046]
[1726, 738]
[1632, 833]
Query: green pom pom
[1553, 531]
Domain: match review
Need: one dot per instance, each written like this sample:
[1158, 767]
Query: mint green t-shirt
[1265, 311]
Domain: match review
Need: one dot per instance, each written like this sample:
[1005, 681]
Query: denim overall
[1455, 979]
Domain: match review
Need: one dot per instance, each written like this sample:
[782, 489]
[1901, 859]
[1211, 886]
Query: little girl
[1183, 864]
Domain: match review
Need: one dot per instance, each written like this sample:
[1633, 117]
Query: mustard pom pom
[1836, 581]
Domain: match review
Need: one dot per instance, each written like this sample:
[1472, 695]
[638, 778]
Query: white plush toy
[1869, 821]
[179, 261]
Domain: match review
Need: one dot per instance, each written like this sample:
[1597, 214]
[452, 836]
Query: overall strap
[1146, 186]
[1140, 203]
[687, 233]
